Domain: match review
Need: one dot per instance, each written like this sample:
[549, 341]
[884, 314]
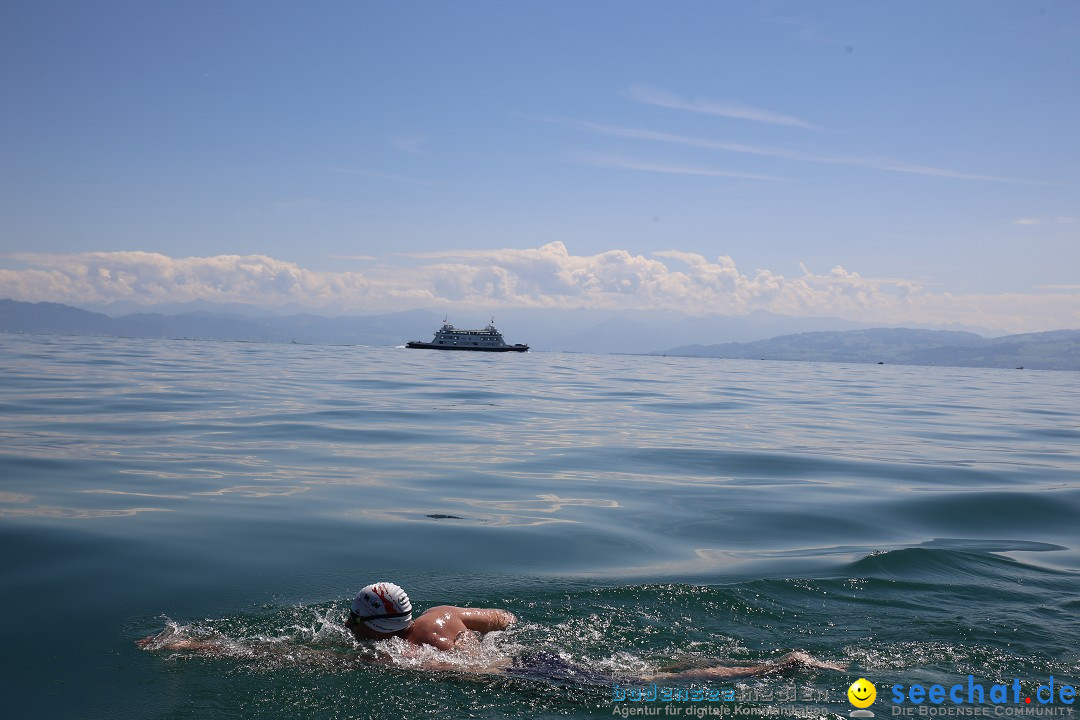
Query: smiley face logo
[862, 693]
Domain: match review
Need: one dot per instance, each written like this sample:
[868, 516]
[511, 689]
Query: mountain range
[1055, 350]
[597, 331]
[756, 335]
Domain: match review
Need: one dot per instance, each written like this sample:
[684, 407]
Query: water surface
[636, 513]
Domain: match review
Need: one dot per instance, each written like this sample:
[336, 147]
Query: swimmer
[380, 611]
[383, 611]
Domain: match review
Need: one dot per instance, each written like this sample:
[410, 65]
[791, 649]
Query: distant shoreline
[1051, 350]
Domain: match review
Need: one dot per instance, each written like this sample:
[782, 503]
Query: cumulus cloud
[549, 276]
[152, 278]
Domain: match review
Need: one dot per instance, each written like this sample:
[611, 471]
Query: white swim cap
[383, 607]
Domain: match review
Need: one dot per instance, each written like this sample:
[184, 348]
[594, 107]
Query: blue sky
[375, 156]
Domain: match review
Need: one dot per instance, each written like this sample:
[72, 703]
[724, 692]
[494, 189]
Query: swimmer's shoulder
[440, 610]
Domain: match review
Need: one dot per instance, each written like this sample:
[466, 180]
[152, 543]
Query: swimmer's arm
[718, 671]
[164, 641]
[486, 619]
[167, 640]
[791, 661]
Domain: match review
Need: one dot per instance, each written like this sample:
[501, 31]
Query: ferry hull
[432, 346]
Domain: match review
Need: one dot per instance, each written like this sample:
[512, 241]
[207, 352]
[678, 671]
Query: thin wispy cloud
[409, 144]
[689, 141]
[903, 167]
[817, 31]
[306, 203]
[385, 176]
[1047, 221]
[652, 96]
[616, 162]
[874, 163]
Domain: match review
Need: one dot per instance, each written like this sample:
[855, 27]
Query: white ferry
[449, 337]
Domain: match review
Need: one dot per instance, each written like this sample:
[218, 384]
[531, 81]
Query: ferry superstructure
[449, 337]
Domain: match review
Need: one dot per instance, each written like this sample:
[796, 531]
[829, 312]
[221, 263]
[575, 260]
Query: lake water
[636, 513]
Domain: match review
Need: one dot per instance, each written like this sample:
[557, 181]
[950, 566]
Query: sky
[888, 163]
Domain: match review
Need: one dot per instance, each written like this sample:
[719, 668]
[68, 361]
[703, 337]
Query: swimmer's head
[383, 607]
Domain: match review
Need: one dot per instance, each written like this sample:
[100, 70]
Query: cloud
[874, 163]
[622, 163]
[652, 96]
[1047, 221]
[549, 276]
[385, 176]
[362, 258]
[154, 278]
[409, 144]
[306, 203]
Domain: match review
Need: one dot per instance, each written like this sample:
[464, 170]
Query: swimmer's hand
[284, 653]
[803, 659]
[169, 639]
[486, 619]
